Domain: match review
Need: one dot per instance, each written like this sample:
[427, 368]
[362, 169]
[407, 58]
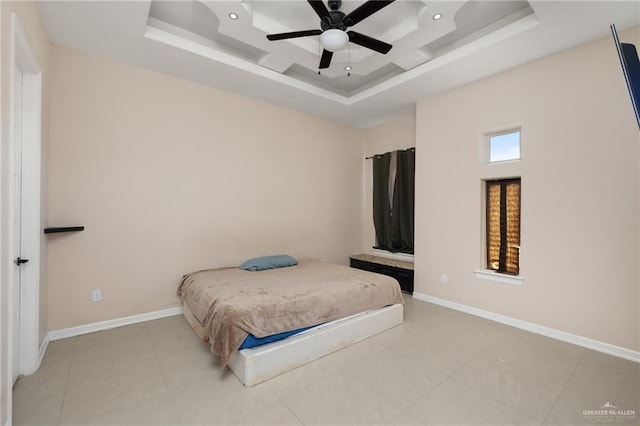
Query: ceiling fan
[334, 35]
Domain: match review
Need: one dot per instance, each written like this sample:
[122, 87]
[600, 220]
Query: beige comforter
[230, 303]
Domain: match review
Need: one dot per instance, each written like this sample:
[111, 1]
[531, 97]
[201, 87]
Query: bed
[341, 305]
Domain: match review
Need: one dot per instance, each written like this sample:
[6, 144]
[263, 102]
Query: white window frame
[388, 254]
[486, 144]
[489, 275]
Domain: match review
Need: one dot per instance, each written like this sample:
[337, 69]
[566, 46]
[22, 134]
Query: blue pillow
[268, 262]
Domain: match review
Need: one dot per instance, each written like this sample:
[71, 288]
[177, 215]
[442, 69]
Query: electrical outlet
[96, 295]
[444, 278]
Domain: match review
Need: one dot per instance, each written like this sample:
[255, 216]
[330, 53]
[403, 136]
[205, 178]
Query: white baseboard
[42, 351]
[106, 325]
[585, 342]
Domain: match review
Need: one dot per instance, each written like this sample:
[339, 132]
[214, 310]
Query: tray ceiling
[198, 41]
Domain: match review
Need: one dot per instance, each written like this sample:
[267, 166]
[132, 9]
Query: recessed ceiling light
[347, 68]
[233, 16]
[437, 16]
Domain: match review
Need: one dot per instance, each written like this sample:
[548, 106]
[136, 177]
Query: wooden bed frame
[255, 365]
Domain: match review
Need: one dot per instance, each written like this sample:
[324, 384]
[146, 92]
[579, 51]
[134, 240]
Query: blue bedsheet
[252, 341]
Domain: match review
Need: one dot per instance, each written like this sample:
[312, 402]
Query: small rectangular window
[503, 146]
[503, 225]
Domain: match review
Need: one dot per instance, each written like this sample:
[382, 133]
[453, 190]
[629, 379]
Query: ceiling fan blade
[364, 11]
[368, 42]
[325, 61]
[320, 8]
[293, 34]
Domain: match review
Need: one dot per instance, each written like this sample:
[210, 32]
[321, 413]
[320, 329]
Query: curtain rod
[376, 155]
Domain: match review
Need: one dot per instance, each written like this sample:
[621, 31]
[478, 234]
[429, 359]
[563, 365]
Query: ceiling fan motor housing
[335, 22]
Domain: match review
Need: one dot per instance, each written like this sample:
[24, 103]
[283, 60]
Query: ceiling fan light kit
[334, 40]
[333, 33]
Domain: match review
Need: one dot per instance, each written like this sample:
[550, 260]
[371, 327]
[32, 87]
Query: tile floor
[439, 367]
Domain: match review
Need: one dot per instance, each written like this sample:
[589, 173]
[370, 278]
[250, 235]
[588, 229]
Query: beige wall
[30, 20]
[393, 135]
[170, 177]
[580, 191]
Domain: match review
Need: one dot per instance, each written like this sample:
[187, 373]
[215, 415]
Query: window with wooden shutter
[503, 225]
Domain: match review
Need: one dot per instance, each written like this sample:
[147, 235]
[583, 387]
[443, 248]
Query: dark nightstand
[398, 269]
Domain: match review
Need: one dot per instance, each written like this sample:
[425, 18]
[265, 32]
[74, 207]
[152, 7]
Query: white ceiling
[197, 41]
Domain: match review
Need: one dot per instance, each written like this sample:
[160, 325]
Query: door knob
[20, 261]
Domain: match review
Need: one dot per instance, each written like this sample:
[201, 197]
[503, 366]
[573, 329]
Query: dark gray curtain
[403, 202]
[394, 222]
[381, 204]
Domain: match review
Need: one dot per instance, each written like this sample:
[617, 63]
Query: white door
[17, 219]
[24, 221]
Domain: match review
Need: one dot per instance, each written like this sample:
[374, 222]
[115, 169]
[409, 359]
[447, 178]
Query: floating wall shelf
[63, 229]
